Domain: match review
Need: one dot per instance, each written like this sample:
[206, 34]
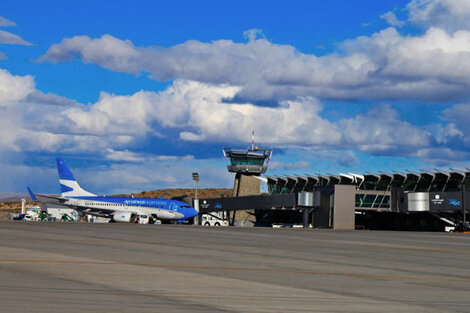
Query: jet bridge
[309, 208]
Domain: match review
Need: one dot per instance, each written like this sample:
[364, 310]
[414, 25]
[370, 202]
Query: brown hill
[188, 192]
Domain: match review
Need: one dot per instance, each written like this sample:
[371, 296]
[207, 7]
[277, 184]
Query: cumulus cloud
[381, 130]
[262, 69]
[14, 88]
[386, 65]
[201, 112]
[443, 156]
[451, 15]
[458, 127]
[193, 111]
[107, 51]
[196, 112]
[24, 115]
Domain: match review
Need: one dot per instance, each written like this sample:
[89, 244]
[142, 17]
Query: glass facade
[372, 201]
[246, 161]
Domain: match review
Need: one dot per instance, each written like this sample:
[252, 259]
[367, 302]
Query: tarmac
[80, 267]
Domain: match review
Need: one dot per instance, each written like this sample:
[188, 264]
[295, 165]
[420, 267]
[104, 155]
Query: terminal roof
[438, 180]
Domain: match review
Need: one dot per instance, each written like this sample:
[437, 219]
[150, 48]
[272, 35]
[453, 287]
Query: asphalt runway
[79, 267]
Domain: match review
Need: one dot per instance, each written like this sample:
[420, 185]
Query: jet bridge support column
[306, 216]
[305, 200]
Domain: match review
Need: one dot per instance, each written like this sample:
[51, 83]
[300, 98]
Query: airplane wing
[39, 196]
[101, 212]
[89, 210]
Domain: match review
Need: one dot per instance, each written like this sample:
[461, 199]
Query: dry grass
[12, 207]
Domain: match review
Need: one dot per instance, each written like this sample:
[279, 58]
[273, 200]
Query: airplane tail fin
[69, 186]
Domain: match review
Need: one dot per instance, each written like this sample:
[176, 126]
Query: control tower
[247, 165]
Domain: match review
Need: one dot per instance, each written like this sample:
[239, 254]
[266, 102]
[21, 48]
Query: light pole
[196, 200]
[463, 205]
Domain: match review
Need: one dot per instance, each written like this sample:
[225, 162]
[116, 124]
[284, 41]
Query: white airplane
[119, 209]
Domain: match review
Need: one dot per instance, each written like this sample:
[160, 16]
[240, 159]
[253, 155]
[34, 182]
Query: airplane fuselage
[160, 208]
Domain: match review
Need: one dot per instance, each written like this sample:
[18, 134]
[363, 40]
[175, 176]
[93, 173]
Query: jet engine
[124, 217]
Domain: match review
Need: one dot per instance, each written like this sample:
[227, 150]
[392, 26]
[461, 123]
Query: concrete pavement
[76, 267]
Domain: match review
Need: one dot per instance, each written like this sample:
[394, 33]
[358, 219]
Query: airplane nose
[190, 212]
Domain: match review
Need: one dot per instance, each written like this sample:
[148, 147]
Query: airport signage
[437, 200]
[445, 201]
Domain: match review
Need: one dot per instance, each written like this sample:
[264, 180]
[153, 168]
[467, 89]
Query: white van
[214, 219]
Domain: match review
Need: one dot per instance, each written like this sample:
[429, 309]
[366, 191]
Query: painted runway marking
[245, 269]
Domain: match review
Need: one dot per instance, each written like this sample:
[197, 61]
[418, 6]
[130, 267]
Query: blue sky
[136, 96]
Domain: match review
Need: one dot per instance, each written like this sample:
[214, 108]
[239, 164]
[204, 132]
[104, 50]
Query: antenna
[253, 140]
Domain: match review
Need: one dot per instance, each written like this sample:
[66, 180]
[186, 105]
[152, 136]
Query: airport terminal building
[424, 200]
[412, 200]
[375, 190]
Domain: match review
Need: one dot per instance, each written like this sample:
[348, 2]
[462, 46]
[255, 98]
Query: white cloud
[45, 123]
[14, 88]
[5, 22]
[12, 39]
[450, 15]
[386, 65]
[278, 165]
[458, 127]
[196, 111]
[134, 177]
[107, 51]
[253, 34]
[26, 115]
[392, 19]
[202, 114]
[129, 156]
[443, 156]
[381, 130]
[126, 156]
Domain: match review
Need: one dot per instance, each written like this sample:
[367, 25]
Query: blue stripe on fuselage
[143, 202]
[155, 203]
